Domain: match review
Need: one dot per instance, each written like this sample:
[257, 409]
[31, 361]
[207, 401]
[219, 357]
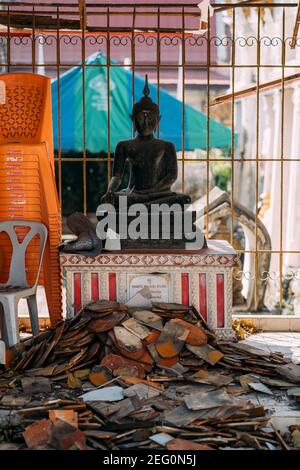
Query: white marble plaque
[159, 285]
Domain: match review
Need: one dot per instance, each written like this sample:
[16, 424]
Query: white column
[40, 56]
[293, 206]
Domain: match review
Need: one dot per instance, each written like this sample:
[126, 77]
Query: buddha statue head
[145, 113]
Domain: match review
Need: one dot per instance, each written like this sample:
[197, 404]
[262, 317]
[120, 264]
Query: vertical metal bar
[183, 96]
[282, 156]
[82, 13]
[257, 279]
[232, 128]
[33, 40]
[83, 115]
[158, 65]
[108, 97]
[208, 124]
[8, 40]
[133, 61]
[58, 108]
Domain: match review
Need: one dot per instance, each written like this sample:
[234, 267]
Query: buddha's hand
[108, 198]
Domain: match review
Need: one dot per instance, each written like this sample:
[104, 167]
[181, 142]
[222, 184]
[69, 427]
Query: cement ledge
[272, 322]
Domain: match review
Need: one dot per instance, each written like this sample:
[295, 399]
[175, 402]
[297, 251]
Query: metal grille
[53, 30]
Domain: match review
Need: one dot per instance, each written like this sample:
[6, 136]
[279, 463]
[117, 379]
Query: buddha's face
[146, 122]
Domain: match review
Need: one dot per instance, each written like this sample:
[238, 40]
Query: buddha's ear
[131, 117]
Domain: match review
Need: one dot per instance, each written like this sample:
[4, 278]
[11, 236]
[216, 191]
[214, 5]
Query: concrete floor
[287, 343]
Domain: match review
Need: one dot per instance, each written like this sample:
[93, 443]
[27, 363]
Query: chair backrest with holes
[25, 111]
[17, 271]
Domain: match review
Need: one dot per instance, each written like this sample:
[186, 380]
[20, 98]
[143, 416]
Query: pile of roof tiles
[115, 377]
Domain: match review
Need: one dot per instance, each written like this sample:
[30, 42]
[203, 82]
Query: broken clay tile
[207, 353]
[128, 364]
[153, 337]
[296, 438]
[259, 387]
[104, 394]
[64, 367]
[127, 340]
[161, 438]
[105, 409]
[294, 392]
[130, 370]
[142, 297]
[65, 436]
[142, 390]
[128, 406]
[176, 329]
[32, 385]
[41, 371]
[146, 360]
[205, 377]
[100, 306]
[92, 351]
[181, 416]
[74, 440]
[112, 361]
[69, 416]
[82, 374]
[136, 328]
[99, 375]
[193, 362]
[133, 355]
[169, 347]
[290, 371]
[245, 347]
[14, 399]
[38, 433]
[206, 400]
[184, 444]
[171, 340]
[170, 307]
[196, 336]
[177, 369]
[73, 382]
[148, 317]
[276, 382]
[74, 339]
[107, 323]
[167, 362]
[246, 379]
[145, 414]
[135, 380]
[57, 335]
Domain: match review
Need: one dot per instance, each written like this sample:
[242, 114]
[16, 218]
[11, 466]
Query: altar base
[202, 278]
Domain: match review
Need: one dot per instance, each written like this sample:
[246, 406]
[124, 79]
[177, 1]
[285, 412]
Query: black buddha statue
[152, 162]
[152, 171]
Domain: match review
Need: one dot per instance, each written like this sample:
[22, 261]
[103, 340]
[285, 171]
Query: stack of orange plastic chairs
[27, 182]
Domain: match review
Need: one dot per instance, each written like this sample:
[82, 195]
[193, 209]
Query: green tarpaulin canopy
[96, 111]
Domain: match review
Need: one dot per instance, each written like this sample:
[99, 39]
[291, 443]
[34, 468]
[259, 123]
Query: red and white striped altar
[201, 278]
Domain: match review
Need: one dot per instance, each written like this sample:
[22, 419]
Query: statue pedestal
[201, 278]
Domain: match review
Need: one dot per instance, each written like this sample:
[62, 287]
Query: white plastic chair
[17, 287]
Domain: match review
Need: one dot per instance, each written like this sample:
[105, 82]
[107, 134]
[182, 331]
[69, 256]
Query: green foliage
[222, 174]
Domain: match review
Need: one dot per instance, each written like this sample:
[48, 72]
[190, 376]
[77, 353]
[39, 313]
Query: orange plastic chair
[27, 182]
